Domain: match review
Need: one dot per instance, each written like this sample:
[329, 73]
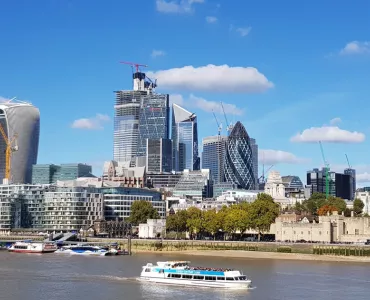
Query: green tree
[141, 211]
[358, 206]
[212, 222]
[194, 222]
[230, 221]
[339, 203]
[263, 212]
[312, 204]
[177, 222]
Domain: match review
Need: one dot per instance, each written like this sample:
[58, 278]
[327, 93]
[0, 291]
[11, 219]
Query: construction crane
[11, 146]
[136, 65]
[228, 126]
[327, 166]
[219, 125]
[349, 165]
[263, 174]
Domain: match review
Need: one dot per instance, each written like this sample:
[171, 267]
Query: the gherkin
[239, 160]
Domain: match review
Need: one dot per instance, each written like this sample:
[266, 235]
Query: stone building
[275, 188]
[329, 229]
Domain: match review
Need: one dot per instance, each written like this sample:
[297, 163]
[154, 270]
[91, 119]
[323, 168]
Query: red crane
[134, 65]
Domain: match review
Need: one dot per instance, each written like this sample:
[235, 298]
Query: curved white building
[21, 119]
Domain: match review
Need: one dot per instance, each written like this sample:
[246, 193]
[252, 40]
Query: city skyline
[277, 83]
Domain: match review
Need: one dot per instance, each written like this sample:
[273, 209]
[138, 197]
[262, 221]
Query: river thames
[53, 276]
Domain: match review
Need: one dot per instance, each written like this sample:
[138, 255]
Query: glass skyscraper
[213, 156]
[254, 147]
[153, 120]
[184, 139]
[159, 155]
[239, 168]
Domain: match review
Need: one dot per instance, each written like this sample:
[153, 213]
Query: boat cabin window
[229, 278]
[20, 247]
[242, 277]
[147, 270]
[220, 278]
[198, 277]
[187, 276]
[176, 275]
[210, 278]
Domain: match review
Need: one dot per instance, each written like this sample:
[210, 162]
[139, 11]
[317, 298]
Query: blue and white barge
[86, 250]
[181, 273]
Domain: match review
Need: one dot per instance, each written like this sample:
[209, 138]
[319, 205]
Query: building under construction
[19, 140]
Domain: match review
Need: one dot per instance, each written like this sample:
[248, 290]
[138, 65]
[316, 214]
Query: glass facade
[185, 140]
[254, 147]
[317, 180]
[45, 174]
[213, 156]
[153, 120]
[159, 155]
[126, 124]
[238, 166]
[73, 171]
[20, 119]
[352, 173]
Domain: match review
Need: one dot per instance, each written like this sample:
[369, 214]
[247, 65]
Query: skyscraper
[184, 139]
[213, 157]
[21, 121]
[153, 120]
[238, 166]
[254, 147]
[352, 173]
[159, 155]
[139, 113]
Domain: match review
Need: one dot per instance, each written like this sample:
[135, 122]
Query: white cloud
[362, 171]
[211, 19]
[335, 121]
[329, 134]
[176, 6]
[194, 102]
[91, 123]
[156, 53]
[213, 78]
[356, 47]
[363, 177]
[273, 157]
[244, 31]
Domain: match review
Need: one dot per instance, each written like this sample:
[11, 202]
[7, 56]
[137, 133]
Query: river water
[59, 277]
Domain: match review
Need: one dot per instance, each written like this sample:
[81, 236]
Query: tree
[177, 222]
[263, 212]
[141, 211]
[358, 206]
[212, 223]
[325, 209]
[312, 204]
[230, 222]
[194, 222]
[339, 203]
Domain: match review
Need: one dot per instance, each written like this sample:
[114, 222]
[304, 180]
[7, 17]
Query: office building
[239, 168]
[352, 173]
[165, 181]
[49, 173]
[254, 147]
[316, 179]
[293, 184]
[343, 186]
[214, 149]
[184, 139]
[158, 155]
[20, 125]
[153, 120]
[123, 174]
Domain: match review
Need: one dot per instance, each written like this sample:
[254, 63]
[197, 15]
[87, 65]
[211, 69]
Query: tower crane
[327, 166]
[136, 65]
[349, 165]
[228, 126]
[219, 125]
[11, 146]
[262, 177]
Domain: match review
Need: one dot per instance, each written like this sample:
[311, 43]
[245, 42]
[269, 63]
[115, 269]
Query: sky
[293, 73]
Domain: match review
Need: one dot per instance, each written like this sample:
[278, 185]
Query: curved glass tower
[21, 119]
[238, 167]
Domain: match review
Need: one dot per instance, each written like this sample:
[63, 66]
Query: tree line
[258, 215]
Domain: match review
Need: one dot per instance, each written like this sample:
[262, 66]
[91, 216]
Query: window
[229, 278]
[187, 276]
[148, 270]
[220, 278]
[198, 277]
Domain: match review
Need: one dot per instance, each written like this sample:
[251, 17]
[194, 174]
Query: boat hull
[245, 284]
[86, 253]
[31, 251]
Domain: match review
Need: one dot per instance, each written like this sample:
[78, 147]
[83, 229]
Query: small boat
[181, 273]
[84, 250]
[32, 247]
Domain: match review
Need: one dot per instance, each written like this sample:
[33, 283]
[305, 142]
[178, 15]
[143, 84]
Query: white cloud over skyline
[176, 6]
[356, 47]
[335, 121]
[243, 31]
[156, 53]
[212, 78]
[94, 123]
[211, 19]
[273, 157]
[328, 134]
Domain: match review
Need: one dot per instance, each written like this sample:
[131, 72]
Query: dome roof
[239, 131]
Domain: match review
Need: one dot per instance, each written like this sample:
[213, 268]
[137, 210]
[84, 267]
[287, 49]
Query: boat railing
[209, 269]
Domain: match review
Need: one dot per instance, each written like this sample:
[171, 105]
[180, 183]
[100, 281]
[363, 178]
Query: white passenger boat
[86, 250]
[32, 247]
[181, 273]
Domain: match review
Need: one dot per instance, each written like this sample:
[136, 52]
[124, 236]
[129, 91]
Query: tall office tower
[184, 139]
[214, 149]
[20, 124]
[254, 147]
[127, 117]
[316, 179]
[159, 155]
[352, 173]
[239, 168]
[153, 120]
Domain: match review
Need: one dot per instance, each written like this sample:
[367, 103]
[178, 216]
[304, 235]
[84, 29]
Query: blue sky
[280, 67]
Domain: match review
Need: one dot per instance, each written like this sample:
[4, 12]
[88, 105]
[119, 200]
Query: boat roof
[174, 262]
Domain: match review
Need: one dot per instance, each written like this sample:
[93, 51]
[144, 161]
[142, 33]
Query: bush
[284, 250]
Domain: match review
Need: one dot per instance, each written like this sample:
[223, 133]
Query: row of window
[207, 278]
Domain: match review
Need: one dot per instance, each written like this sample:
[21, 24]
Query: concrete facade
[152, 229]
